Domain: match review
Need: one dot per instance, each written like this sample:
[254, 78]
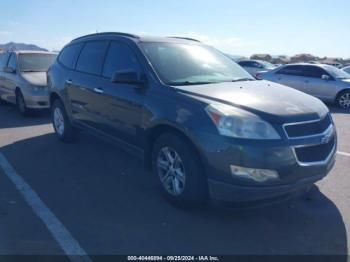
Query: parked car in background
[23, 79]
[255, 66]
[346, 69]
[202, 123]
[325, 82]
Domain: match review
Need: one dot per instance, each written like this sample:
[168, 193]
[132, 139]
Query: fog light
[258, 175]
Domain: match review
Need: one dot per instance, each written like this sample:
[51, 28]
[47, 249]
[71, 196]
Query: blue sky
[320, 27]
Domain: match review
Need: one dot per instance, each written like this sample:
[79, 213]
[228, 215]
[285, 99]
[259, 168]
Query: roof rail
[108, 33]
[185, 38]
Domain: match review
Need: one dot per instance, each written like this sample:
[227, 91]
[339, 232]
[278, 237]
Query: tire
[61, 123]
[343, 99]
[182, 181]
[21, 104]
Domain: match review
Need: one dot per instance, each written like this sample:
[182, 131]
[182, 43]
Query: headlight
[238, 123]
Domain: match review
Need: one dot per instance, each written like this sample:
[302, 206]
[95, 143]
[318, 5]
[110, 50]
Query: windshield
[268, 65]
[186, 64]
[337, 73]
[35, 62]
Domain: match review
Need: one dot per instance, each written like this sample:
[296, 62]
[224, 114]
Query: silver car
[325, 82]
[23, 79]
[255, 66]
[347, 69]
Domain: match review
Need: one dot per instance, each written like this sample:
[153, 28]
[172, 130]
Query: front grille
[315, 153]
[308, 128]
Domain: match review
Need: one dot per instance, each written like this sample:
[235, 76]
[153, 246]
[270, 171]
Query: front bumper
[221, 152]
[36, 99]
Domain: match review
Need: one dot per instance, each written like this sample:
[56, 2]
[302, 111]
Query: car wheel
[21, 104]
[343, 99]
[179, 171]
[61, 123]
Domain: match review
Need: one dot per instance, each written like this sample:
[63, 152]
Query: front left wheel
[179, 171]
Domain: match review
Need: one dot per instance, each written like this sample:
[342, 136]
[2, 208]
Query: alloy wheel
[58, 121]
[171, 171]
[344, 100]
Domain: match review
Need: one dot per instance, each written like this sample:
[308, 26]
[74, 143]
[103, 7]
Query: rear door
[291, 76]
[83, 83]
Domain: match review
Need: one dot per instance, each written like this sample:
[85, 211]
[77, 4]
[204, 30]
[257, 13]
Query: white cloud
[13, 22]
[5, 33]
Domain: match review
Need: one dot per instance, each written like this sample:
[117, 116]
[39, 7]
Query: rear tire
[343, 99]
[21, 104]
[179, 171]
[61, 123]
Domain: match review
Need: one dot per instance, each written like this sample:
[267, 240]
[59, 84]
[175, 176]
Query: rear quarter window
[69, 55]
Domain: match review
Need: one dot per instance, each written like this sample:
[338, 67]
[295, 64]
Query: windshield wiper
[188, 83]
[242, 79]
[30, 71]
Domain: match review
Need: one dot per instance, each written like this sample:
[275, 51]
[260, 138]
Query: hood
[273, 102]
[35, 78]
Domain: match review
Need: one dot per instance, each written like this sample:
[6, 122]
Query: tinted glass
[35, 62]
[313, 71]
[336, 73]
[244, 63]
[91, 57]
[69, 55]
[119, 57]
[188, 64]
[3, 60]
[291, 70]
[13, 61]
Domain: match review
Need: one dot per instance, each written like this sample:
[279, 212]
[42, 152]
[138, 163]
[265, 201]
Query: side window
[3, 60]
[257, 65]
[314, 71]
[69, 55]
[291, 70]
[249, 64]
[13, 61]
[243, 63]
[91, 57]
[120, 57]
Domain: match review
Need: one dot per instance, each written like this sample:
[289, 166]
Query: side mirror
[9, 69]
[128, 76]
[326, 77]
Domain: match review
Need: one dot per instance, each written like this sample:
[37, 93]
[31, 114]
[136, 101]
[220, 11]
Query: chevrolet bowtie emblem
[326, 139]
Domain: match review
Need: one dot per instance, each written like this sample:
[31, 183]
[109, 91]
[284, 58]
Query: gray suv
[23, 79]
[325, 82]
[200, 122]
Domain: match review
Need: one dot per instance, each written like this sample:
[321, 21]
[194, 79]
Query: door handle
[68, 81]
[98, 90]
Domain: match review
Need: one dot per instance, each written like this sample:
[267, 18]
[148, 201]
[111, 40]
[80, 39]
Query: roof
[319, 65]
[136, 38]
